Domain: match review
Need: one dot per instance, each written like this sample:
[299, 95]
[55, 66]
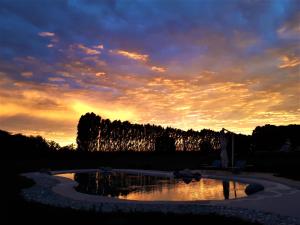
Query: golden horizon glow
[168, 102]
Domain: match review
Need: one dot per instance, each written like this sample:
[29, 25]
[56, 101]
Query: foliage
[101, 135]
[21, 146]
[125, 136]
[271, 138]
[88, 131]
[164, 143]
[117, 136]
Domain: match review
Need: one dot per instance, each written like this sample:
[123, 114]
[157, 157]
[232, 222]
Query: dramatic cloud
[186, 64]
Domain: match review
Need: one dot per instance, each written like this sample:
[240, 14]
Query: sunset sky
[180, 63]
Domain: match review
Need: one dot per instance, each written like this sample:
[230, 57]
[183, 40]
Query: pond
[143, 187]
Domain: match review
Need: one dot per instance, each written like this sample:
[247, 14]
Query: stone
[253, 188]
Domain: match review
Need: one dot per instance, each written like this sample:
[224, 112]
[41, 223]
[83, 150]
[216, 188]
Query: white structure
[224, 154]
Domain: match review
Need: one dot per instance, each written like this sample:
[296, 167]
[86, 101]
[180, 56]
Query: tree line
[98, 134]
[271, 138]
[21, 146]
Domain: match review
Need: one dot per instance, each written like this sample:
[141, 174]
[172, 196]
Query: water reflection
[226, 188]
[154, 188]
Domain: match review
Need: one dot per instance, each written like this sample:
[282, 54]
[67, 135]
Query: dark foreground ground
[16, 210]
[33, 213]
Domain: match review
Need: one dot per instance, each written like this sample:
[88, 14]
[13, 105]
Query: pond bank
[58, 191]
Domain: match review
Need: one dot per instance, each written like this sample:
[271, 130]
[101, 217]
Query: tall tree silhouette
[165, 143]
[88, 132]
[124, 136]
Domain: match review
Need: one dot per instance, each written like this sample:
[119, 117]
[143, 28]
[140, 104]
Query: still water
[154, 188]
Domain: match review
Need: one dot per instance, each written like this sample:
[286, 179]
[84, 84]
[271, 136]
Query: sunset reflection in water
[152, 188]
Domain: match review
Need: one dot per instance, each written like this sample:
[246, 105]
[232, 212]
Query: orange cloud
[100, 74]
[56, 79]
[100, 46]
[132, 55]
[194, 99]
[289, 61]
[53, 110]
[195, 104]
[88, 51]
[27, 74]
[177, 102]
[158, 69]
